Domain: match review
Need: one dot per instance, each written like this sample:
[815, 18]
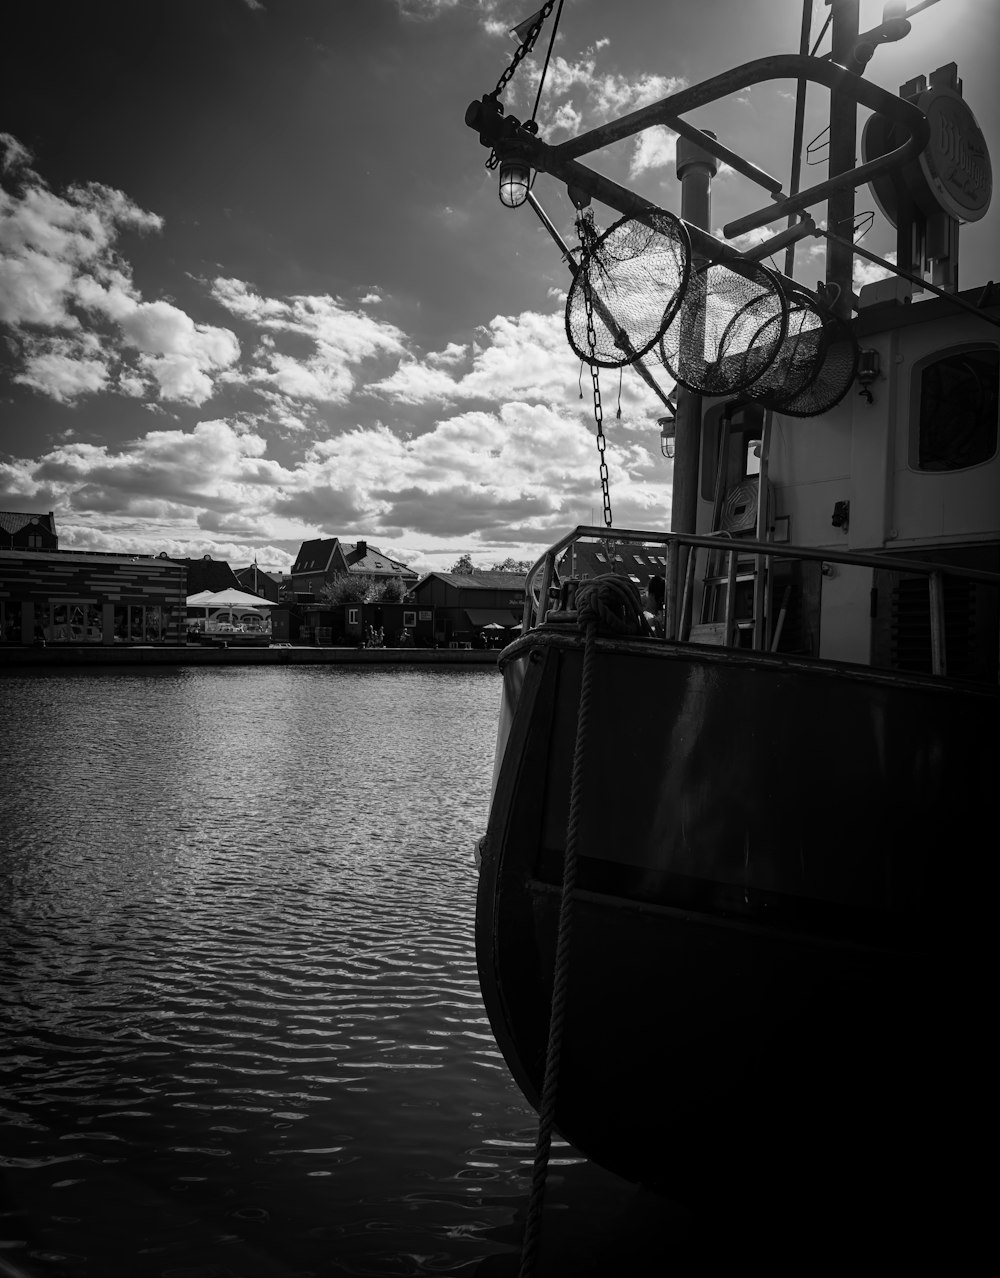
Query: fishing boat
[731, 912]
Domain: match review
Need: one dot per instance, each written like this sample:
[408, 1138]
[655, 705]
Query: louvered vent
[910, 628]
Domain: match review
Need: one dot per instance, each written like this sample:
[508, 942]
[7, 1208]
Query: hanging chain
[585, 229]
[525, 48]
[522, 51]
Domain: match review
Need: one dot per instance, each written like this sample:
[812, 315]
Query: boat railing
[743, 560]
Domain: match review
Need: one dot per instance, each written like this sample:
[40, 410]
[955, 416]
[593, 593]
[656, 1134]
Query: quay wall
[203, 655]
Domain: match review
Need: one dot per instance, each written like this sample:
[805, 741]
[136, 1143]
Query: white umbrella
[228, 599]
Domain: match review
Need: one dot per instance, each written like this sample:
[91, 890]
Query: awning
[499, 616]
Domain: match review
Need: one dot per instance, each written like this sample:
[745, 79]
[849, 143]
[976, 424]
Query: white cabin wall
[872, 449]
[817, 451]
[845, 614]
[924, 503]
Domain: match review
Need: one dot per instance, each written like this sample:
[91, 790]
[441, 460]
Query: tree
[464, 565]
[512, 565]
[395, 590]
[353, 587]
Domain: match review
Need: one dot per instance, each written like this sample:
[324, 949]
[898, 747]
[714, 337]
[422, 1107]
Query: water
[241, 1024]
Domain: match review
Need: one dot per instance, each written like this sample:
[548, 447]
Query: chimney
[362, 549]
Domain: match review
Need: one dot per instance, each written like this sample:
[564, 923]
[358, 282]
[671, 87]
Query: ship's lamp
[668, 435]
[515, 182]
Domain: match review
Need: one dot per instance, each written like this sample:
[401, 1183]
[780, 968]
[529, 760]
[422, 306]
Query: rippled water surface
[241, 1024]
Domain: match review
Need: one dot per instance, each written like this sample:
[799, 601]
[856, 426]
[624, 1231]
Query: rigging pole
[843, 144]
[695, 170]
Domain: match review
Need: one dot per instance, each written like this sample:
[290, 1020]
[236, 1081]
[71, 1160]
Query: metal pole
[843, 143]
[935, 588]
[761, 590]
[695, 170]
[800, 115]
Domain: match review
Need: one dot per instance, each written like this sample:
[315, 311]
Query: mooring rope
[608, 603]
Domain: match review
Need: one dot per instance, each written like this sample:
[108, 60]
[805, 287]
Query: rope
[605, 603]
[548, 55]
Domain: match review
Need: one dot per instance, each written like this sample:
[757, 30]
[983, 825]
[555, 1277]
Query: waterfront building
[355, 624]
[90, 597]
[321, 561]
[454, 609]
[206, 573]
[585, 560]
[28, 531]
[257, 582]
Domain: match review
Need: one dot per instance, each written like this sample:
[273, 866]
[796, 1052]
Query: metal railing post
[684, 619]
[670, 599]
[730, 595]
[543, 598]
[935, 590]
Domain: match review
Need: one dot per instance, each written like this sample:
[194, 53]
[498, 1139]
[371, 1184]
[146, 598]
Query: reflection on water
[241, 1023]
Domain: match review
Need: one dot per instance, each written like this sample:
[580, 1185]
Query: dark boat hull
[774, 972]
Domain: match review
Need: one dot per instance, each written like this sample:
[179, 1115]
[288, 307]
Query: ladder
[735, 599]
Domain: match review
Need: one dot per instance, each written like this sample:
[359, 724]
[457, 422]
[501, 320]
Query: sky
[256, 285]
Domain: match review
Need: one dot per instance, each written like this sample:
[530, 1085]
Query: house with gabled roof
[207, 573]
[22, 530]
[588, 559]
[321, 560]
[257, 582]
[455, 608]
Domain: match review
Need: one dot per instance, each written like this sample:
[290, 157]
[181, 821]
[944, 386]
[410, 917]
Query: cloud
[13, 154]
[520, 357]
[654, 149]
[62, 369]
[609, 94]
[78, 323]
[336, 338]
[870, 272]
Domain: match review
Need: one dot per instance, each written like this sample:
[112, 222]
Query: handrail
[778, 549]
[676, 603]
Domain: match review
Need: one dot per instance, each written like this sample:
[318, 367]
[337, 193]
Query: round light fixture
[515, 182]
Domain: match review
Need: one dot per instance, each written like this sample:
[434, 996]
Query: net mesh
[637, 272]
[728, 329]
[815, 365]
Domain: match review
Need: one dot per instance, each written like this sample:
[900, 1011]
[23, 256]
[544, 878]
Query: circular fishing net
[637, 272]
[728, 328]
[815, 365]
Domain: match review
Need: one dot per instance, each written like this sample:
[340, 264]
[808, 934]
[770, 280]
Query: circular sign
[956, 160]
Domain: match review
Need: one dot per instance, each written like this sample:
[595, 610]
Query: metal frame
[507, 135]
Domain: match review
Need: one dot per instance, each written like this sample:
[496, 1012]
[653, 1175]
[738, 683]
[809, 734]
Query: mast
[695, 170]
[843, 145]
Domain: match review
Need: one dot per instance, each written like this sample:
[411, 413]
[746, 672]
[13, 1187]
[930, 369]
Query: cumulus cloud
[519, 357]
[607, 94]
[871, 272]
[78, 323]
[61, 368]
[654, 148]
[337, 338]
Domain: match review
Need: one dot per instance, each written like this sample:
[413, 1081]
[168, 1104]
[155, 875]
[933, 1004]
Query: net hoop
[728, 329]
[638, 271]
[816, 365]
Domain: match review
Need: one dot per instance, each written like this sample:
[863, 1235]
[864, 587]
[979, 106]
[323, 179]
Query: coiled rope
[608, 604]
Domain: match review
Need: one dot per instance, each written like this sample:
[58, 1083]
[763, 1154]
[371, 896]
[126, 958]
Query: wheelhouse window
[957, 424]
